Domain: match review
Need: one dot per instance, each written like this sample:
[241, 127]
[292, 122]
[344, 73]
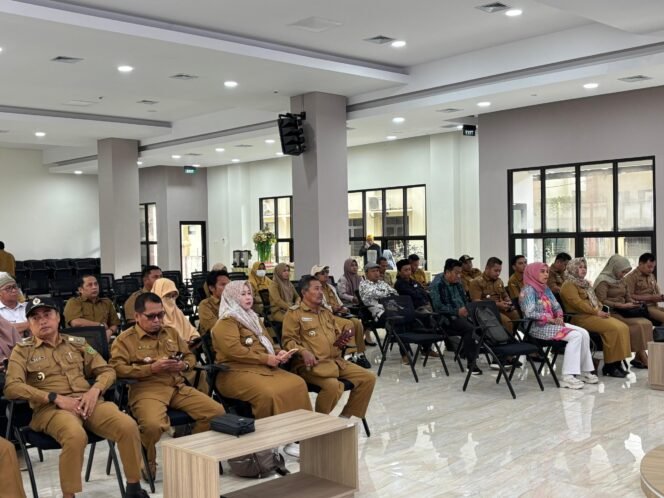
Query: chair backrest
[95, 337]
[401, 306]
[237, 275]
[485, 314]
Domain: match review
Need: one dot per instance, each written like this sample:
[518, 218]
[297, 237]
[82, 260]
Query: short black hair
[451, 264]
[413, 257]
[305, 282]
[2, 245]
[81, 280]
[563, 257]
[516, 258]
[646, 257]
[212, 277]
[381, 259]
[493, 261]
[146, 297]
[401, 263]
[146, 271]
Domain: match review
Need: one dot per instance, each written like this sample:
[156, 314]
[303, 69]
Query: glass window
[597, 251]
[560, 195]
[267, 210]
[153, 252]
[526, 202]
[374, 210]
[355, 218]
[284, 213]
[395, 223]
[552, 247]
[531, 249]
[597, 198]
[276, 216]
[416, 210]
[142, 221]
[398, 248]
[416, 246]
[148, 227]
[633, 247]
[284, 252]
[635, 195]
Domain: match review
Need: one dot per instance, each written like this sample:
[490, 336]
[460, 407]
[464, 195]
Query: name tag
[307, 319]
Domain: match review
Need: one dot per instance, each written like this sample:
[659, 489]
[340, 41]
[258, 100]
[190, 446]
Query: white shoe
[292, 449]
[588, 378]
[571, 382]
[494, 366]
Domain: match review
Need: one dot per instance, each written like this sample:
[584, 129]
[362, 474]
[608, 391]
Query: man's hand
[88, 402]
[503, 306]
[164, 365]
[273, 360]
[309, 359]
[463, 312]
[68, 403]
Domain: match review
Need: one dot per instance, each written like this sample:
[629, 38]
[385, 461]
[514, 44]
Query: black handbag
[232, 424]
[658, 334]
[640, 312]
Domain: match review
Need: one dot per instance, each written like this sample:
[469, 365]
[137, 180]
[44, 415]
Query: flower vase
[264, 252]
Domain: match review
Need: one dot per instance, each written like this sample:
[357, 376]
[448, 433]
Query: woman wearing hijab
[349, 282]
[174, 317]
[579, 298]
[611, 289]
[258, 282]
[391, 263]
[241, 342]
[282, 293]
[538, 304]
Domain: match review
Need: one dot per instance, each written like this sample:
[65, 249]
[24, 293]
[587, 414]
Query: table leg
[332, 456]
[189, 475]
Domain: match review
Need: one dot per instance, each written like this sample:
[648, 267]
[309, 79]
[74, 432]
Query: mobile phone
[606, 309]
[179, 356]
[291, 351]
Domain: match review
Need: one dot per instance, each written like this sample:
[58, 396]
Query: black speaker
[291, 133]
[469, 130]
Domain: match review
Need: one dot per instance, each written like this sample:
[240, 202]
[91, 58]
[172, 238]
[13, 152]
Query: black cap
[465, 258]
[40, 302]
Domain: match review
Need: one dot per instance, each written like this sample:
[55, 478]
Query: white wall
[45, 215]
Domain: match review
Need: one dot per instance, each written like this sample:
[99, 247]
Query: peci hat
[465, 258]
[370, 266]
[317, 269]
[40, 302]
[6, 278]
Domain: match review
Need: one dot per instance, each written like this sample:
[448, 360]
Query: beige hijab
[572, 275]
[286, 289]
[256, 282]
[174, 317]
[616, 264]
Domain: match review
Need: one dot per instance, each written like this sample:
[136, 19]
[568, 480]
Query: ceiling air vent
[316, 24]
[243, 146]
[449, 110]
[492, 8]
[379, 40]
[449, 126]
[66, 60]
[184, 76]
[635, 79]
[147, 102]
[193, 154]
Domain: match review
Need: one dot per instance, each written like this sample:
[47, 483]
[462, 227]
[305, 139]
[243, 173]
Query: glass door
[193, 247]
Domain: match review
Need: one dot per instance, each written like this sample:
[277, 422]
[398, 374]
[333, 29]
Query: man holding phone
[314, 331]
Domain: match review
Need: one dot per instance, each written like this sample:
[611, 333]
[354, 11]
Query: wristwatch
[52, 396]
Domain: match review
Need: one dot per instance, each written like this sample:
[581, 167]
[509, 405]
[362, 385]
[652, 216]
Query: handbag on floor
[658, 334]
[258, 465]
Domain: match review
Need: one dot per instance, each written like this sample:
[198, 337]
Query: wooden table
[652, 473]
[656, 365]
[328, 458]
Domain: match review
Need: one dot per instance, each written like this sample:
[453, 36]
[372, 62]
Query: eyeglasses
[153, 316]
[10, 288]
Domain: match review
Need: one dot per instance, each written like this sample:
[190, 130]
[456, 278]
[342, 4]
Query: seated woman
[282, 293]
[611, 289]
[579, 297]
[349, 283]
[537, 303]
[241, 342]
[258, 282]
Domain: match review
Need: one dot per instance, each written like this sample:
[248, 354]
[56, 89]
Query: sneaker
[494, 366]
[362, 361]
[588, 378]
[405, 360]
[571, 382]
[292, 449]
[475, 370]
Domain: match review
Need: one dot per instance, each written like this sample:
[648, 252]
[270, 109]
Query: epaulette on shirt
[76, 341]
[26, 341]
[294, 307]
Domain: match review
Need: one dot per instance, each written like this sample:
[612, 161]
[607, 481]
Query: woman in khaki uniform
[258, 282]
[282, 293]
[579, 297]
[611, 289]
[241, 342]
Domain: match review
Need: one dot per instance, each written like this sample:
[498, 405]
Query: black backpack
[494, 332]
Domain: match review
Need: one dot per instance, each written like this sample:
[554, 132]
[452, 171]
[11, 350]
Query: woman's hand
[602, 314]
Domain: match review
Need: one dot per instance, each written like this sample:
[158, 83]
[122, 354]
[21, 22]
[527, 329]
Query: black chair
[405, 326]
[264, 295]
[64, 287]
[106, 285]
[237, 275]
[95, 336]
[367, 319]
[38, 283]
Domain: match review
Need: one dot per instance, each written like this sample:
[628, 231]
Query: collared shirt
[100, 311]
[483, 287]
[372, 292]
[412, 288]
[556, 279]
[388, 278]
[130, 304]
[640, 284]
[330, 297]
[467, 276]
[420, 277]
[9, 337]
[13, 315]
[514, 285]
[447, 298]
[208, 314]
[7, 262]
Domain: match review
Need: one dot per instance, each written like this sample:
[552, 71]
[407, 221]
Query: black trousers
[460, 326]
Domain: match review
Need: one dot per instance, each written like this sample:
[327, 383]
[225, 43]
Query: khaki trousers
[506, 318]
[332, 389]
[11, 485]
[67, 429]
[614, 334]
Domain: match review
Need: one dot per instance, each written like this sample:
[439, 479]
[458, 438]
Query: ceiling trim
[31, 111]
[76, 160]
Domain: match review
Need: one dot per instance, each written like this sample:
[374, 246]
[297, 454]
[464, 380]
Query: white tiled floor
[433, 440]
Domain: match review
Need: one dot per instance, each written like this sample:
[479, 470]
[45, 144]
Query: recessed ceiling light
[0, 49]
[230, 84]
[125, 69]
[196, 165]
[219, 149]
[590, 86]
[398, 120]
[40, 134]
[513, 12]
[269, 141]
[483, 104]
[78, 172]
[279, 154]
[140, 163]
[235, 160]
[175, 156]
[398, 44]
[459, 127]
[391, 137]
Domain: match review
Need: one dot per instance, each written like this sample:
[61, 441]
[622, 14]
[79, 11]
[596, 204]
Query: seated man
[450, 300]
[10, 308]
[383, 266]
[208, 309]
[557, 272]
[51, 371]
[417, 273]
[333, 303]
[372, 289]
[90, 310]
[156, 357]
[406, 285]
[643, 288]
[8, 339]
[515, 283]
[10, 475]
[311, 328]
[468, 273]
[150, 275]
[489, 286]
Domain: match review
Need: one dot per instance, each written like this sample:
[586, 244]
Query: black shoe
[638, 364]
[612, 371]
[515, 361]
[362, 361]
[369, 343]
[475, 370]
[139, 494]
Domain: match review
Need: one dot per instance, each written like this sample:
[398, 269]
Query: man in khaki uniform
[150, 275]
[515, 283]
[90, 310]
[148, 353]
[10, 475]
[50, 370]
[208, 309]
[7, 261]
[417, 274]
[557, 272]
[468, 273]
[643, 287]
[311, 328]
[489, 286]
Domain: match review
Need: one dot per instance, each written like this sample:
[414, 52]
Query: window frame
[289, 240]
[148, 242]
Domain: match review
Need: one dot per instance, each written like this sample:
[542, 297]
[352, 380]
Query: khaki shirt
[208, 314]
[576, 299]
[239, 347]
[420, 277]
[36, 368]
[388, 278]
[100, 311]
[330, 297]
[467, 276]
[134, 350]
[315, 332]
[130, 304]
[483, 288]
[7, 262]
[640, 284]
[514, 285]
[556, 279]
